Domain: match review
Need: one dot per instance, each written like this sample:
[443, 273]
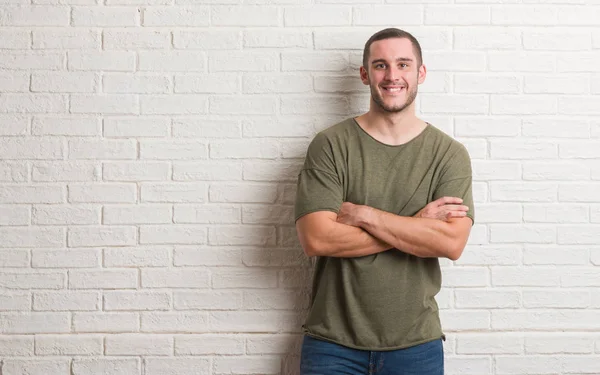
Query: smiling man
[380, 198]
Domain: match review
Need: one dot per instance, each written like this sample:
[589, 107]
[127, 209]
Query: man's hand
[349, 214]
[444, 209]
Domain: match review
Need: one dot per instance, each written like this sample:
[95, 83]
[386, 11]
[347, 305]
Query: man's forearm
[326, 237]
[421, 237]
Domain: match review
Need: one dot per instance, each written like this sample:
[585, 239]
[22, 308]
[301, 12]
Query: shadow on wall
[289, 302]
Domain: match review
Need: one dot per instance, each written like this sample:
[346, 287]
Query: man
[380, 198]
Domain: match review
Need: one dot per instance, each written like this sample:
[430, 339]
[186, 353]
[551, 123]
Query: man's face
[393, 74]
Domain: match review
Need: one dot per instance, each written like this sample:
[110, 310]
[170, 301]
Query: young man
[380, 198]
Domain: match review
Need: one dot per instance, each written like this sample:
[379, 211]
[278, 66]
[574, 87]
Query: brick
[15, 345]
[13, 302]
[208, 344]
[36, 366]
[578, 105]
[527, 61]
[34, 16]
[125, 300]
[465, 277]
[33, 103]
[491, 84]
[181, 322]
[277, 39]
[555, 213]
[254, 364]
[172, 61]
[276, 300]
[523, 149]
[138, 256]
[274, 127]
[15, 237]
[34, 323]
[104, 279]
[254, 321]
[135, 83]
[177, 104]
[255, 149]
[233, 61]
[211, 300]
[193, 16]
[539, 171]
[68, 345]
[15, 215]
[102, 149]
[105, 104]
[19, 172]
[556, 128]
[102, 236]
[66, 301]
[524, 15]
[310, 105]
[14, 259]
[105, 16]
[102, 192]
[65, 171]
[133, 344]
[578, 15]
[208, 40]
[246, 193]
[557, 40]
[14, 124]
[174, 193]
[468, 365]
[273, 344]
[490, 170]
[14, 82]
[106, 322]
[558, 343]
[136, 127]
[515, 105]
[136, 171]
[555, 299]
[525, 277]
[269, 84]
[373, 15]
[490, 127]
[199, 128]
[67, 126]
[175, 278]
[245, 16]
[487, 299]
[185, 256]
[245, 235]
[558, 84]
[585, 62]
[242, 278]
[15, 39]
[488, 38]
[172, 234]
[109, 61]
[353, 84]
[173, 150]
[207, 214]
[80, 40]
[138, 214]
[178, 366]
[457, 15]
[507, 233]
[486, 343]
[458, 320]
[243, 105]
[215, 83]
[106, 366]
[133, 40]
[526, 365]
[583, 192]
[207, 171]
[73, 258]
[313, 61]
[469, 104]
[579, 150]
[25, 60]
[581, 234]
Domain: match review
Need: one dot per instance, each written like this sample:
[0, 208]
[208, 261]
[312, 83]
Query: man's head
[393, 68]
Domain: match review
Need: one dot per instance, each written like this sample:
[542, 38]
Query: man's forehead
[392, 49]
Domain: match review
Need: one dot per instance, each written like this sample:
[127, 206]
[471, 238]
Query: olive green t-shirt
[383, 301]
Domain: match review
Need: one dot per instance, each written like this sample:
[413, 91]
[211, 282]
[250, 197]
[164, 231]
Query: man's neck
[392, 128]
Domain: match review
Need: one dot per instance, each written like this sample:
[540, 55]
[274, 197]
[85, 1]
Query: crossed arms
[440, 229]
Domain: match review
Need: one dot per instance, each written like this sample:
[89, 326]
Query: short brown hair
[392, 33]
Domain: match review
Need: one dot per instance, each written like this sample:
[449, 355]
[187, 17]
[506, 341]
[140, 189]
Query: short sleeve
[318, 187]
[456, 180]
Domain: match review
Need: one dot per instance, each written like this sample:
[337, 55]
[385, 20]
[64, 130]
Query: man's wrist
[365, 215]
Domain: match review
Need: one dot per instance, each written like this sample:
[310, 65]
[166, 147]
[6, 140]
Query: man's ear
[364, 75]
[422, 74]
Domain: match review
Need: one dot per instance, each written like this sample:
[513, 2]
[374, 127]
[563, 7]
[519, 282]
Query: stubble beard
[378, 99]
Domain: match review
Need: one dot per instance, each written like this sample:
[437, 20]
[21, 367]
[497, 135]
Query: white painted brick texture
[149, 151]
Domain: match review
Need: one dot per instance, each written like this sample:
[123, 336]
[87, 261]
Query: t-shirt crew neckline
[421, 134]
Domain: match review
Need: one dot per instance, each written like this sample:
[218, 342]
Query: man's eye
[380, 66]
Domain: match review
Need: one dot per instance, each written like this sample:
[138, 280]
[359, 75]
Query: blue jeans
[326, 358]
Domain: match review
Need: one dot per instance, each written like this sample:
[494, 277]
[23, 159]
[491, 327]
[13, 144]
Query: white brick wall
[148, 156]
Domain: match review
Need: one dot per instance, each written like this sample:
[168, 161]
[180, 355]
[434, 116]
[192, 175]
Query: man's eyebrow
[398, 59]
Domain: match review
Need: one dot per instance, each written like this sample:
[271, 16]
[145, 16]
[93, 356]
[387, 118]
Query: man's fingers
[455, 207]
[448, 200]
